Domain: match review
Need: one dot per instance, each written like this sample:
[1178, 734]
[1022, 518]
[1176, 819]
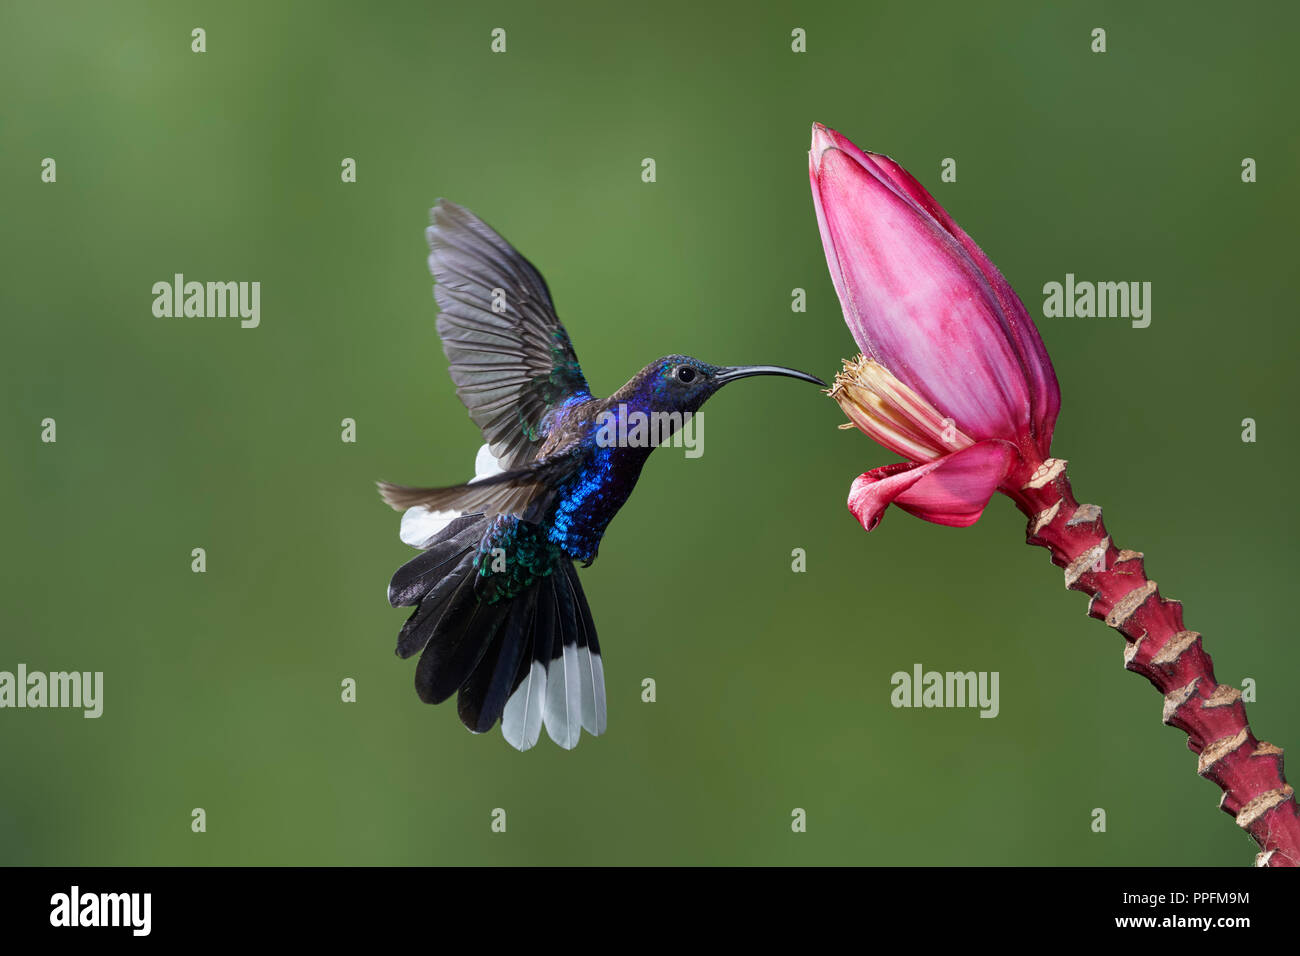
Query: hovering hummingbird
[499, 613]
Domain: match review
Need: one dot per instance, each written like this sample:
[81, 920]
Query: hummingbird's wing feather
[511, 359]
[520, 492]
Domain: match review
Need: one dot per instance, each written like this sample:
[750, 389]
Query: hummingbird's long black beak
[745, 371]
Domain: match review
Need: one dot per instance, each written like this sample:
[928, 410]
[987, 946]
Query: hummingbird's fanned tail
[500, 617]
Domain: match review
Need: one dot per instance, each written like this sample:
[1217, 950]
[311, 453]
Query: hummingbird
[500, 618]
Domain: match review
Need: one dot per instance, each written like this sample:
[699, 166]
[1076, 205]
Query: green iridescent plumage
[512, 555]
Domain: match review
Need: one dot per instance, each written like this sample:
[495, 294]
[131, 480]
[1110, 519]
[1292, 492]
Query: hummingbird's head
[680, 383]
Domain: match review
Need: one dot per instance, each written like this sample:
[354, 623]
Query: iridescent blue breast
[587, 501]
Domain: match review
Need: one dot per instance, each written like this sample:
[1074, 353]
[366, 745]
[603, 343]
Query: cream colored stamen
[893, 414]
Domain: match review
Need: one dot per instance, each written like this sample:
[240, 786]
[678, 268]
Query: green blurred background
[222, 690]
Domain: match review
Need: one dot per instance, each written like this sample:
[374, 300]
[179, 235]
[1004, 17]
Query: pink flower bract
[953, 375]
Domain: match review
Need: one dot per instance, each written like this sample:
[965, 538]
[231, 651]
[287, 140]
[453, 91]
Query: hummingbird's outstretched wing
[511, 359]
[518, 492]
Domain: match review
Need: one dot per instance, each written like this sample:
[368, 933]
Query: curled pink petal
[952, 490]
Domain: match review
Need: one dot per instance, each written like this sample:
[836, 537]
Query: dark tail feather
[524, 713]
[563, 687]
[483, 698]
[419, 576]
[459, 641]
[591, 672]
[448, 616]
[450, 592]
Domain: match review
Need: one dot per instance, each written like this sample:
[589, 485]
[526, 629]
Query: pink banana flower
[953, 375]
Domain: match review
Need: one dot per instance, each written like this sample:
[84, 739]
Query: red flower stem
[1158, 647]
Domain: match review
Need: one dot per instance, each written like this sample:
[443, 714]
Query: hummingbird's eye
[685, 374]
